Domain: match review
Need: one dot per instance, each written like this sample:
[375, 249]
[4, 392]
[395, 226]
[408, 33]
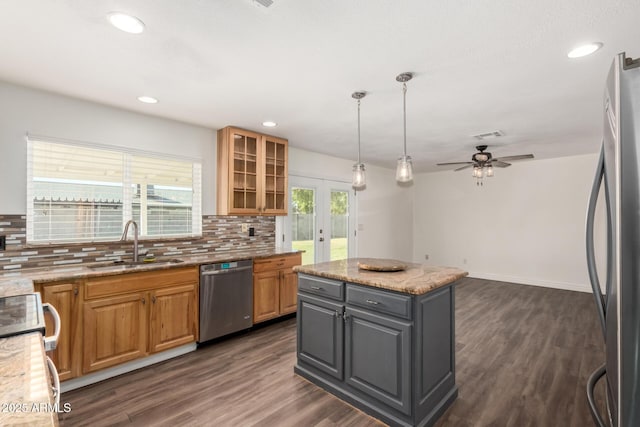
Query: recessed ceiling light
[147, 99]
[584, 50]
[126, 23]
[269, 124]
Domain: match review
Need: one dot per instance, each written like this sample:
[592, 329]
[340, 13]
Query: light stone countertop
[25, 388]
[53, 274]
[417, 279]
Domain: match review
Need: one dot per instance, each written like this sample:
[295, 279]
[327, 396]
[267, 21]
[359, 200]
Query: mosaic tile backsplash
[219, 234]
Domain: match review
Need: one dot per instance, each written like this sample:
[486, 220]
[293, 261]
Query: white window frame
[127, 181]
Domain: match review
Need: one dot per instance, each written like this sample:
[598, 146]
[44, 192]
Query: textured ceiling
[479, 67]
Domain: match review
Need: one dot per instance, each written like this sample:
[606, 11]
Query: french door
[321, 219]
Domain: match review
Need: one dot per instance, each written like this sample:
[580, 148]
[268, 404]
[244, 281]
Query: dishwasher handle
[230, 270]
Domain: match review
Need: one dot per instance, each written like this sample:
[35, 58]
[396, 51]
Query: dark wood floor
[523, 357]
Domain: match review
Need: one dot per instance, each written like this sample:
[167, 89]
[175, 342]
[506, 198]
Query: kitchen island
[382, 341]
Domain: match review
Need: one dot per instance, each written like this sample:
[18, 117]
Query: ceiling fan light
[358, 182]
[489, 171]
[404, 170]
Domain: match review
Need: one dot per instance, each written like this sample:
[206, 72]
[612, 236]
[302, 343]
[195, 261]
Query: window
[80, 193]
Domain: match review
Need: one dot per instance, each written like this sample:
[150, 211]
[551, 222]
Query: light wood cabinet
[115, 330]
[252, 173]
[275, 287]
[173, 317]
[129, 316]
[66, 298]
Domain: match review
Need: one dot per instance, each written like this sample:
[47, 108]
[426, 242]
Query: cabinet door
[115, 330]
[173, 317]
[266, 295]
[288, 291]
[68, 354]
[378, 357]
[274, 176]
[238, 164]
[320, 335]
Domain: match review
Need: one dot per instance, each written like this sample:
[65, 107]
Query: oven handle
[56, 382]
[50, 343]
[231, 270]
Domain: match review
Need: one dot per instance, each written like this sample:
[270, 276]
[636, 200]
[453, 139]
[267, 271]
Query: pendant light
[358, 182]
[404, 171]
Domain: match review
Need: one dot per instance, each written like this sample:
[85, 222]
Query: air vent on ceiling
[489, 135]
[265, 3]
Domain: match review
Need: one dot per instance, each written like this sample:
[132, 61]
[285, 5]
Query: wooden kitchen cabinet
[115, 330]
[173, 317]
[252, 173]
[66, 298]
[132, 315]
[275, 287]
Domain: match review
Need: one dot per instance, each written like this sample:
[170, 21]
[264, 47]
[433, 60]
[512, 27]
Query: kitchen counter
[382, 341]
[416, 279]
[25, 387]
[45, 275]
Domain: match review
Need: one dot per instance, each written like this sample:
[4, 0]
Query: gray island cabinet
[382, 341]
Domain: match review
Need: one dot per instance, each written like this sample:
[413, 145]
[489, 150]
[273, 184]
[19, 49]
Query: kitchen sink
[125, 265]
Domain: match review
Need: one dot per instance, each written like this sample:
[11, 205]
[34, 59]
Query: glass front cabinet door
[252, 173]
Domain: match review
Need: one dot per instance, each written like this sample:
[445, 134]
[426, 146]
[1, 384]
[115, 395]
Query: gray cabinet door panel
[435, 346]
[320, 335]
[378, 357]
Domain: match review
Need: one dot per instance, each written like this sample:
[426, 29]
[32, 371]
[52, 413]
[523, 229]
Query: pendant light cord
[404, 112]
[358, 131]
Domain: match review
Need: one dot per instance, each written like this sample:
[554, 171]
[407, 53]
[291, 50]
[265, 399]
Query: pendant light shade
[404, 170]
[358, 181]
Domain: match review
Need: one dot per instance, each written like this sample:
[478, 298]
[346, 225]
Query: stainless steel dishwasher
[226, 298]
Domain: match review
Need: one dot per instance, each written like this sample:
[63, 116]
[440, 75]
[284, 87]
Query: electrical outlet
[252, 231]
[426, 256]
[245, 228]
[3, 243]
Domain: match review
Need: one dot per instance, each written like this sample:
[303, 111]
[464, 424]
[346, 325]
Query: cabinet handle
[345, 317]
[280, 264]
[370, 301]
[153, 299]
[337, 313]
[75, 291]
[317, 288]
[143, 300]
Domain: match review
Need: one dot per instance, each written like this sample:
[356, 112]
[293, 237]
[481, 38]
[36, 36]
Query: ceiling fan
[483, 162]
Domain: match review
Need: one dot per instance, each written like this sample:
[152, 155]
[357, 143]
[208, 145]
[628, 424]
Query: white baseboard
[96, 377]
[535, 282]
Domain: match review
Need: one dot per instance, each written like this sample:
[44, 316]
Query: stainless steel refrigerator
[618, 301]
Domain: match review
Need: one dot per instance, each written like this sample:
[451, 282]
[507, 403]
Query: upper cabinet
[252, 173]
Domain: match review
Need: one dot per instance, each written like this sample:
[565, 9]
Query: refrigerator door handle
[591, 259]
[591, 384]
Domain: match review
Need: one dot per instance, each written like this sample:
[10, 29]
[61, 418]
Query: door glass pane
[303, 222]
[339, 225]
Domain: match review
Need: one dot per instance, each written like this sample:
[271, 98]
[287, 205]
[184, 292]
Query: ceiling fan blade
[455, 163]
[463, 167]
[499, 163]
[512, 158]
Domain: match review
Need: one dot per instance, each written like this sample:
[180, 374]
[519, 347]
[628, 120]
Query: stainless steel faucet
[135, 237]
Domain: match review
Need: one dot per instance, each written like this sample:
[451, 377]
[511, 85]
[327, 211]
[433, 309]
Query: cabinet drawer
[276, 263]
[380, 301]
[324, 287]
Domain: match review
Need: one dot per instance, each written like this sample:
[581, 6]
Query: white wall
[525, 225]
[42, 113]
[384, 210]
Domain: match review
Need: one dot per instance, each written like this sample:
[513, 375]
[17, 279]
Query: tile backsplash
[219, 234]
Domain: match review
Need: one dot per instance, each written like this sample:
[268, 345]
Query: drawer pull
[370, 301]
[317, 288]
[280, 264]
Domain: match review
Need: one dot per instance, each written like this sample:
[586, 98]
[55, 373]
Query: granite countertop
[416, 279]
[52, 274]
[25, 387]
